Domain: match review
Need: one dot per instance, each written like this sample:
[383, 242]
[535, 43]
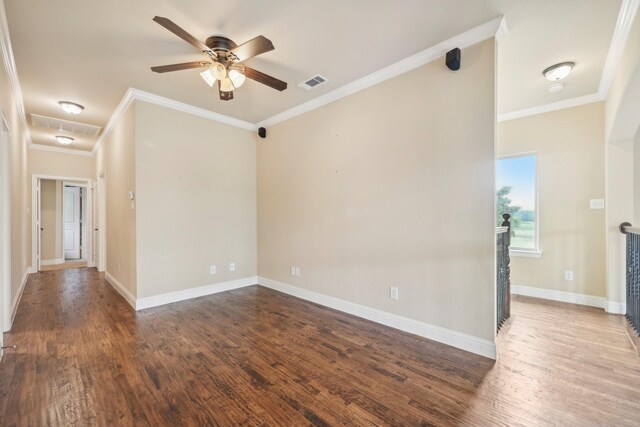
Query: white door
[71, 213]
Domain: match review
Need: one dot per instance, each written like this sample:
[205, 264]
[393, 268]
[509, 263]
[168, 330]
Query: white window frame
[534, 252]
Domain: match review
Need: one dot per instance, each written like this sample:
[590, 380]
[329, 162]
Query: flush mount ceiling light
[558, 71]
[71, 107]
[64, 140]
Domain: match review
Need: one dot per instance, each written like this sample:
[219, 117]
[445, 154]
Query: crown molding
[627, 13]
[628, 10]
[502, 31]
[12, 73]
[133, 94]
[554, 106]
[466, 39]
[151, 98]
[126, 100]
[60, 150]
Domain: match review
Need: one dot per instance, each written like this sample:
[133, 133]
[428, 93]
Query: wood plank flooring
[256, 357]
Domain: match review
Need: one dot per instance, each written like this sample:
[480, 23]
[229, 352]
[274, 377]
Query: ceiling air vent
[64, 125]
[313, 82]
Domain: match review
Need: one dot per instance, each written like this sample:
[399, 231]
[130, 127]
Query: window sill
[525, 253]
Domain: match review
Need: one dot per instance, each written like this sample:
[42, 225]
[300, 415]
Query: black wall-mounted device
[453, 59]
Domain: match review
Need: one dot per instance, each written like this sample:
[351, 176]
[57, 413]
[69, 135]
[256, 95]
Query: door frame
[101, 205]
[5, 225]
[81, 182]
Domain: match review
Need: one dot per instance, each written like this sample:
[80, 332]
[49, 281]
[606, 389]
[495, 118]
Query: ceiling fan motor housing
[221, 46]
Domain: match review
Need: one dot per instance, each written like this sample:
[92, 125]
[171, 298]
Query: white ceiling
[91, 52]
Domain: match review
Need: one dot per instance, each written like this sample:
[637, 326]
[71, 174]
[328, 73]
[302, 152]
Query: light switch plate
[596, 204]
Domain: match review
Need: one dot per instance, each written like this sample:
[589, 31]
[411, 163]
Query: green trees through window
[516, 195]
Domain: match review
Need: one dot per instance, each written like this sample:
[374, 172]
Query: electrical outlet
[393, 293]
[568, 275]
[596, 204]
[297, 271]
[232, 266]
[212, 269]
[293, 271]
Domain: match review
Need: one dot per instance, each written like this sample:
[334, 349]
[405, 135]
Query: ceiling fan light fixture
[558, 71]
[208, 77]
[218, 70]
[71, 107]
[237, 76]
[64, 140]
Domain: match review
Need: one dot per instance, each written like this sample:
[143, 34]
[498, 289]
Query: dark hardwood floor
[258, 357]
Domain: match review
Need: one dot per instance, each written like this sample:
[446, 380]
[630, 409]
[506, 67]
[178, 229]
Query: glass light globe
[218, 70]
[237, 77]
[226, 85]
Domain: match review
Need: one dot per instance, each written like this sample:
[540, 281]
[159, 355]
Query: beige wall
[636, 180]
[116, 158]
[196, 200]
[60, 165]
[393, 185]
[570, 149]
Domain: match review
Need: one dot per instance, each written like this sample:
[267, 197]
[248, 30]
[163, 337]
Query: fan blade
[178, 67]
[175, 29]
[265, 79]
[253, 47]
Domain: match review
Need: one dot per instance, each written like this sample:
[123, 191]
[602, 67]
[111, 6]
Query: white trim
[12, 73]
[16, 299]
[554, 106]
[127, 99]
[52, 261]
[456, 339]
[561, 296]
[466, 39]
[61, 150]
[521, 253]
[171, 297]
[502, 31]
[614, 307]
[627, 13]
[5, 224]
[151, 98]
[119, 287]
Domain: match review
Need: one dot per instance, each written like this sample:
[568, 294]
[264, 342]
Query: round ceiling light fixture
[64, 140]
[558, 71]
[71, 107]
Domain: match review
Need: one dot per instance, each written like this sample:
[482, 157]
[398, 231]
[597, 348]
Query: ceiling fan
[225, 60]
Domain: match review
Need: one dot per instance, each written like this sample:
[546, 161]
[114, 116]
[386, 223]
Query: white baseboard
[170, 297]
[52, 261]
[16, 299]
[119, 287]
[466, 342]
[561, 296]
[614, 307]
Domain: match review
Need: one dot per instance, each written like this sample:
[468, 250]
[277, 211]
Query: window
[516, 195]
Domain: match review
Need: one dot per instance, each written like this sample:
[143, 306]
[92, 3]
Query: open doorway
[62, 223]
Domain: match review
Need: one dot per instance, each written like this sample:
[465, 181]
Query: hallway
[254, 356]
